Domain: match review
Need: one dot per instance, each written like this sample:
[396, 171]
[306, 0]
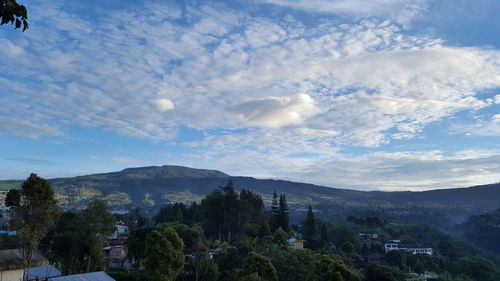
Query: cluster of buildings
[12, 269]
[393, 245]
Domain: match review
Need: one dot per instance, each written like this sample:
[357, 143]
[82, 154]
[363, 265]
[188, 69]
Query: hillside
[155, 186]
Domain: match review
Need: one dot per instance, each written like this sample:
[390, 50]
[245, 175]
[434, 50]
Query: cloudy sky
[365, 94]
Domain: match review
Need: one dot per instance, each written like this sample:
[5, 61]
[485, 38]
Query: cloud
[165, 104]
[288, 93]
[121, 160]
[482, 127]
[277, 112]
[31, 161]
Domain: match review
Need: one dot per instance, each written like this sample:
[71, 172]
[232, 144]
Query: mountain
[155, 186]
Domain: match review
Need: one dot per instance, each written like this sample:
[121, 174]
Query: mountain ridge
[168, 183]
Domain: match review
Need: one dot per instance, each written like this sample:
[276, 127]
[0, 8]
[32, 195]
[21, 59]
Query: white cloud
[277, 112]
[362, 84]
[165, 104]
[121, 160]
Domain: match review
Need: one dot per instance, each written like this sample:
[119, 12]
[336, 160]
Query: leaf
[18, 23]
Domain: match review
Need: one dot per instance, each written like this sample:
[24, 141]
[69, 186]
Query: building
[295, 243]
[92, 276]
[42, 273]
[368, 235]
[414, 249]
[117, 257]
[12, 266]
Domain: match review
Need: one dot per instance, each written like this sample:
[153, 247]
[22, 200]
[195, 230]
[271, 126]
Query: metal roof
[92, 276]
[12, 259]
[43, 272]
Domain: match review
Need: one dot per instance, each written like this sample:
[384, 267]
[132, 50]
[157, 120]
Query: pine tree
[310, 229]
[275, 212]
[283, 219]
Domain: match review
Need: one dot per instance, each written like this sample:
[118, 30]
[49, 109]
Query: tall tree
[35, 212]
[275, 207]
[283, 219]
[164, 255]
[310, 233]
[14, 13]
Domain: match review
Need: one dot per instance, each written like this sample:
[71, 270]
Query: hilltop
[156, 185]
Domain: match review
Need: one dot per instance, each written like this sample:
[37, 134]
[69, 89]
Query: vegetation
[229, 235]
[14, 13]
[34, 213]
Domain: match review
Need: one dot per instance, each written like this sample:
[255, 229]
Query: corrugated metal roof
[43, 272]
[12, 259]
[92, 276]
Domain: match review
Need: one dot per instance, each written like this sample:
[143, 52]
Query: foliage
[310, 234]
[477, 268]
[377, 272]
[14, 13]
[8, 242]
[291, 265]
[35, 212]
[164, 256]
[328, 269]
[258, 267]
[75, 242]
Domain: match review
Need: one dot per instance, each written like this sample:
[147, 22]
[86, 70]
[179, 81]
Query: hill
[155, 186]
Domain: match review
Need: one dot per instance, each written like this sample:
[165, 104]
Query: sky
[363, 94]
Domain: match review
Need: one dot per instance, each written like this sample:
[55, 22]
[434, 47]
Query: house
[117, 257]
[414, 249]
[295, 243]
[368, 235]
[42, 273]
[92, 276]
[12, 267]
[120, 231]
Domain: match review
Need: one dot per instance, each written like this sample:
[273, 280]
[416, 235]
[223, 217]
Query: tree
[200, 267]
[75, 242]
[14, 13]
[283, 219]
[377, 272]
[310, 234]
[164, 255]
[328, 269]
[258, 267]
[35, 213]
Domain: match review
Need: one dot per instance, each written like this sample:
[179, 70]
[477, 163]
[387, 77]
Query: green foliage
[292, 265]
[35, 213]
[199, 267]
[13, 198]
[483, 230]
[117, 199]
[258, 267]
[280, 238]
[8, 242]
[310, 234]
[396, 258]
[164, 255]
[477, 268]
[328, 269]
[377, 272]
[347, 247]
[14, 13]
[75, 242]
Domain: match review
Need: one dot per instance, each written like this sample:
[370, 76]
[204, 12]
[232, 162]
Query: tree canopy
[14, 13]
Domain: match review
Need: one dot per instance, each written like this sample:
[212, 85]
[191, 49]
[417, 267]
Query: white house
[414, 249]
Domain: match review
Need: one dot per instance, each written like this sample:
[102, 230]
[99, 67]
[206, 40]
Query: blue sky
[379, 94]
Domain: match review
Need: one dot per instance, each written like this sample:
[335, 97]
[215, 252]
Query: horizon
[235, 176]
[398, 95]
